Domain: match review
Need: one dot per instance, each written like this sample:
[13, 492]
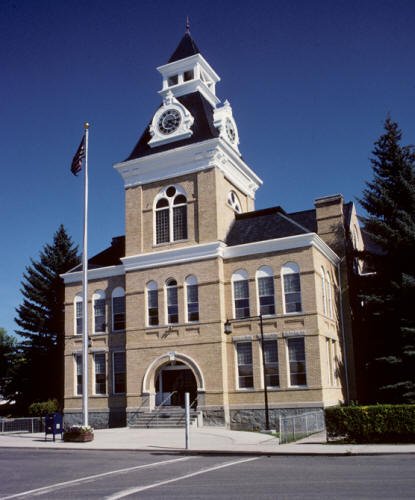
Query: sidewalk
[202, 440]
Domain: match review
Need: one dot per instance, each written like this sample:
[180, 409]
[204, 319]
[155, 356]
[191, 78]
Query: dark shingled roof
[261, 225]
[203, 127]
[186, 48]
[111, 256]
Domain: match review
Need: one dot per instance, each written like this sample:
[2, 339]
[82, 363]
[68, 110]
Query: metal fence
[16, 425]
[295, 427]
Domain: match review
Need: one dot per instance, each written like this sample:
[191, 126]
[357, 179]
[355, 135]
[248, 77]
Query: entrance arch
[172, 373]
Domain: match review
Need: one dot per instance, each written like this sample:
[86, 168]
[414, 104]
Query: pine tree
[9, 358]
[389, 294]
[41, 322]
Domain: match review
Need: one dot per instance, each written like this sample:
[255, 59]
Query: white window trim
[290, 386]
[76, 355]
[152, 286]
[262, 367]
[113, 372]
[116, 293]
[163, 194]
[191, 280]
[265, 272]
[239, 275]
[329, 296]
[166, 302]
[78, 298]
[323, 290]
[243, 389]
[283, 272]
[99, 295]
[94, 392]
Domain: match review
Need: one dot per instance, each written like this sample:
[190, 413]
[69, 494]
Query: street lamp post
[228, 331]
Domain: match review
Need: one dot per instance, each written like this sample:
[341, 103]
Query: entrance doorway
[172, 382]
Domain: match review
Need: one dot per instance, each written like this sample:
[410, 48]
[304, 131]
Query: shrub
[43, 408]
[372, 424]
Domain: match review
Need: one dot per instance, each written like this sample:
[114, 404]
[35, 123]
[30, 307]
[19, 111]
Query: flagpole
[85, 291]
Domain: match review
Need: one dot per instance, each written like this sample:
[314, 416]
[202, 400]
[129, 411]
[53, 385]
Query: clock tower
[191, 148]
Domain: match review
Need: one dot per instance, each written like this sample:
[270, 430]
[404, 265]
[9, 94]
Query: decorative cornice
[93, 274]
[205, 251]
[174, 256]
[282, 244]
[190, 159]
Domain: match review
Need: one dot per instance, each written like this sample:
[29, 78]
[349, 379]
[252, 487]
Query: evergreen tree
[8, 361]
[389, 294]
[41, 322]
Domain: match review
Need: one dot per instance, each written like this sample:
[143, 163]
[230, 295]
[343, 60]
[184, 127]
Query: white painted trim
[281, 244]
[94, 274]
[188, 159]
[173, 256]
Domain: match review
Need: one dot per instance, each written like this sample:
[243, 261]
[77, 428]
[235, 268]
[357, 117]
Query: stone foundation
[254, 419]
[97, 419]
[213, 418]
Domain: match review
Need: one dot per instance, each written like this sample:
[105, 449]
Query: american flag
[76, 166]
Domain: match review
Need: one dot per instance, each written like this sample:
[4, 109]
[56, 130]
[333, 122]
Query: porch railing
[156, 412]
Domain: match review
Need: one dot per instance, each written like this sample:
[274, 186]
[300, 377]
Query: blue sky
[310, 84]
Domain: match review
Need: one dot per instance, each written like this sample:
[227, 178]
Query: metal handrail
[158, 408]
[145, 401]
[190, 407]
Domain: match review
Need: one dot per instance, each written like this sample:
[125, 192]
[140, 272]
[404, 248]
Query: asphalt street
[61, 474]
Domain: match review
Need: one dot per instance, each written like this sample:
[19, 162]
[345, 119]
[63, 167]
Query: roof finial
[187, 26]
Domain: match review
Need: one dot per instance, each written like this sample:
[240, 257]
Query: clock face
[230, 130]
[169, 121]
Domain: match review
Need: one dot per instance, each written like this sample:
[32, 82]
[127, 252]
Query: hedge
[371, 424]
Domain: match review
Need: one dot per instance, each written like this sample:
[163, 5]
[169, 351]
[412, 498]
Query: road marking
[56, 486]
[131, 491]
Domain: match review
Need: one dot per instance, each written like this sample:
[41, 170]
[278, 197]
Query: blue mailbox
[53, 424]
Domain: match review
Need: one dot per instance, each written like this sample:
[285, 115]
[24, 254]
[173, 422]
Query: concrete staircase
[164, 418]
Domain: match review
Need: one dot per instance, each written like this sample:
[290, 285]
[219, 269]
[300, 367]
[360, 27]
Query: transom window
[171, 215]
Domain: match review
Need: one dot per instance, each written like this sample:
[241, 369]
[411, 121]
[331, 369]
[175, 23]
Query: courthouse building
[197, 255]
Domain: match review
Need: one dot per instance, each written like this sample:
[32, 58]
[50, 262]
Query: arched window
[170, 208]
[78, 314]
[98, 300]
[172, 301]
[329, 296]
[152, 304]
[240, 285]
[291, 287]
[266, 292]
[192, 299]
[118, 309]
[323, 290]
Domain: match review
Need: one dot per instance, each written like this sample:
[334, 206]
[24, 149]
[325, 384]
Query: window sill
[169, 243]
[297, 387]
[246, 389]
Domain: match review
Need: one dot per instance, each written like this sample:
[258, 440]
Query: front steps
[165, 418]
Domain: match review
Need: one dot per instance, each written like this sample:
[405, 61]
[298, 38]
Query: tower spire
[187, 26]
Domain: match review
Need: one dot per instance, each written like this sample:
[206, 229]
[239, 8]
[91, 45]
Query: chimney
[330, 222]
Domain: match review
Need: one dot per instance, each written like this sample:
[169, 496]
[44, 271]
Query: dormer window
[171, 215]
[172, 80]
